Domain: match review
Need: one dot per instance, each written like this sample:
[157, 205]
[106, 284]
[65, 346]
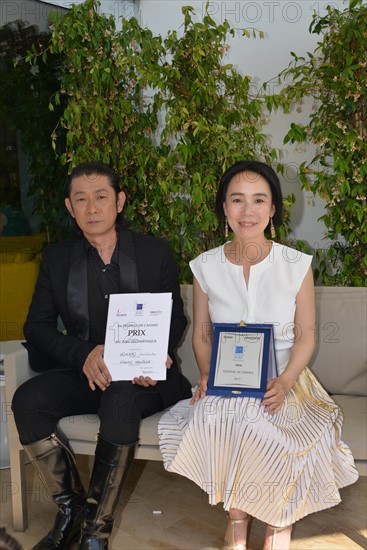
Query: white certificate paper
[137, 334]
[239, 360]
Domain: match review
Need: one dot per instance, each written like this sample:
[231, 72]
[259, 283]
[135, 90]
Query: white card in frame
[243, 359]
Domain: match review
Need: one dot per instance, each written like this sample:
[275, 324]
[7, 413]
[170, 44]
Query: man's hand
[146, 380]
[95, 369]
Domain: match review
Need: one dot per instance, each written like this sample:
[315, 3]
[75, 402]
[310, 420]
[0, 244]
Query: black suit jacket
[146, 265]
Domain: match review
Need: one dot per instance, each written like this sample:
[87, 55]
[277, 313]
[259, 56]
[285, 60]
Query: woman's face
[248, 205]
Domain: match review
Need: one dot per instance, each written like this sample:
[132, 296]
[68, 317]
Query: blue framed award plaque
[243, 359]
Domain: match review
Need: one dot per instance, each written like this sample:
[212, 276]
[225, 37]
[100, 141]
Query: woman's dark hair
[256, 167]
[98, 168]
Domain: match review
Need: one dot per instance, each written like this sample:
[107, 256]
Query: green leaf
[354, 3]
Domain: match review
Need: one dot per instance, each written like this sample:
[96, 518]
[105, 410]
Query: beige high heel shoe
[284, 544]
[231, 544]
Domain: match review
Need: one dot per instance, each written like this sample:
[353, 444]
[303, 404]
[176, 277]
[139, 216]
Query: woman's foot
[237, 529]
[277, 538]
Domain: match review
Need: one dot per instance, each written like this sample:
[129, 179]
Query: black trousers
[42, 401]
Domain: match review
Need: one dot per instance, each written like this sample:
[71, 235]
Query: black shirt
[103, 280]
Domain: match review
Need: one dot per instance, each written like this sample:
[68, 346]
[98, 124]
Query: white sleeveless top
[270, 296]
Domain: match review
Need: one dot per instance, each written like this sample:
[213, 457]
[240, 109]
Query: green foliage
[168, 115]
[210, 122]
[335, 75]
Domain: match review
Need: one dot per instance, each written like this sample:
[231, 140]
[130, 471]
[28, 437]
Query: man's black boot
[55, 464]
[111, 467]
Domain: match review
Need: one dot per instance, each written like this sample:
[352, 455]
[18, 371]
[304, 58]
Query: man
[75, 281]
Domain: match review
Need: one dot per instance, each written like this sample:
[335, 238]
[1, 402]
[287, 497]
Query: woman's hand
[274, 397]
[146, 380]
[95, 369]
[200, 389]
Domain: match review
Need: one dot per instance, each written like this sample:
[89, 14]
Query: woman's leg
[237, 531]
[277, 538]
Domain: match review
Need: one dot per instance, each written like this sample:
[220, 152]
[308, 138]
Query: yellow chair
[19, 267]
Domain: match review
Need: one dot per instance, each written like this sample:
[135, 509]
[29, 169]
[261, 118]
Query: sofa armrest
[17, 371]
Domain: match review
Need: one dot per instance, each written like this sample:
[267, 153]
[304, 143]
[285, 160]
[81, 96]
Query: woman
[279, 458]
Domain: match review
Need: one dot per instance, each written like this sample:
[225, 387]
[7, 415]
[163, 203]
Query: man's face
[94, 205]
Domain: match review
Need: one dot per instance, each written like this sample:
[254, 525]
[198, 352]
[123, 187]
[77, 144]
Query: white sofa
[339, 363]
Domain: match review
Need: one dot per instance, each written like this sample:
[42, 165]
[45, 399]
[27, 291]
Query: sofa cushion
[83, 427]
[339, 363]
[354, 432]
[16, 257]
[86, 428]
[17, 282]
[354, 408]
[339, 360]
[33, 243]
[19, 267]
[185, 353]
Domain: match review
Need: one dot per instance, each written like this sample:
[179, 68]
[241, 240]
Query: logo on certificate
[119, 313]
[239, 352]
[139, 309]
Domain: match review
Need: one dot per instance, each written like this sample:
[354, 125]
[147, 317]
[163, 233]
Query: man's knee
[20, 402]
[28, 401]
[119, 410]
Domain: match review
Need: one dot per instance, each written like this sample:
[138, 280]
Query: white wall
[32, 12]
[35, 12]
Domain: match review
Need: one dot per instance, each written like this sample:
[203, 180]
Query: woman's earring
[272, 229]
[226, 228]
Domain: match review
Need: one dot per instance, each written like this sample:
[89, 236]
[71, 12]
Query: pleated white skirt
[277, 468]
